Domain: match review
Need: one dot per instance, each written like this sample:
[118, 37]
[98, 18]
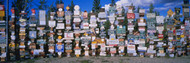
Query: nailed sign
[142, 11]
[130, 15]
[159, 19]
[42, 16]
[150, 15]
[2, 11]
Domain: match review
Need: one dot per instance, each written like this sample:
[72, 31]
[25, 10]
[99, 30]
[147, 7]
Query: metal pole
[7, 23]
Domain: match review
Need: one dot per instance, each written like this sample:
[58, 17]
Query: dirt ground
[185, 59]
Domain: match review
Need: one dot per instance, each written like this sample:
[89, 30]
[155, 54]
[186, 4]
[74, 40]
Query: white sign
[113, 42]
[52, 23]
[142, 48]
[60, 26]
[186, 9]
[102, 15]
[68, 35]
[113, 50]
[141, 24]
[77, 52]
[77, 20]
[159, 19]
[151, 15]
[130, 47]
[142, 11]
[42, 16]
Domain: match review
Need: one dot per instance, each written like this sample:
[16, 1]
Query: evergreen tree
[96, 6]
[113, 2]
[157, 13]
[151, 9]
[72, 6]
[2, 2]
[51, 8]
[138, 9]
[21, 5]
[59, 1]
[133, 7]
[42, 5]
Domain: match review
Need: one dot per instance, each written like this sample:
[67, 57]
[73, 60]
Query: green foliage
[42, 5]
[59, 1]
[107, 26]
[96, 6]
[133, 5]
[2, 1]
[72, 6]
[138, 9]
[157, 13]
[151, 9]
[51, 8]
[113, 2]
[21, 5]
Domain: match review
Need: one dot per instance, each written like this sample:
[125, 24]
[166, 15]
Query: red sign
[130, 15]
[33, 11]
[13, 11]
[160, 36]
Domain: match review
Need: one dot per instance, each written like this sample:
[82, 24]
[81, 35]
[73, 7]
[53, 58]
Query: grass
[121, 61]
[86, 61]
[105, 61]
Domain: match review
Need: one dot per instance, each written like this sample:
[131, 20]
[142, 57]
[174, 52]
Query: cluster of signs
[98, 34]
[2, 33]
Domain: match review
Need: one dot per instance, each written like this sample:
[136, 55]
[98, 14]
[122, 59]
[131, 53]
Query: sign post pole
[7, 23]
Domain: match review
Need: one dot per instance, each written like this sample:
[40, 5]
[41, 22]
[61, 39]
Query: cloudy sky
[160, 5]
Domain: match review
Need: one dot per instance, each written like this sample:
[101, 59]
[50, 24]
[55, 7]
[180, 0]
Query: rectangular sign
[130, 15]
[68, 35]
[150, 15]
[52, 23]
[42, 17]
[186, 9]
[2, 11]
[142, 11]
[60, 26]
[159, 19]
